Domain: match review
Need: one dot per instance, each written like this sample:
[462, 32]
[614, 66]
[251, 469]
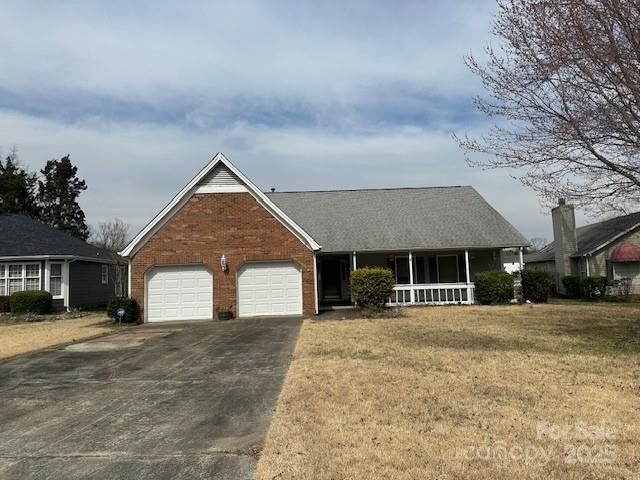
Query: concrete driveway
[182, 400]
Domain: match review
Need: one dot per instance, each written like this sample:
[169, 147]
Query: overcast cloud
[300, 95]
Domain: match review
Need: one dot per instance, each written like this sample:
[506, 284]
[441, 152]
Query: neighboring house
[610, 248]
[35, 256]
[221, 242]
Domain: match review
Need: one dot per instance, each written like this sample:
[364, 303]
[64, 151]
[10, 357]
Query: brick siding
[231, 224]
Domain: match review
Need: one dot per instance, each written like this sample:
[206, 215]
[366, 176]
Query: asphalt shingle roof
[399, 219]
[22, 236]
[591, 237]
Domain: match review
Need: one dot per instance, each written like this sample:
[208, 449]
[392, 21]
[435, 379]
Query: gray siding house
[35, 256]
[610, 248]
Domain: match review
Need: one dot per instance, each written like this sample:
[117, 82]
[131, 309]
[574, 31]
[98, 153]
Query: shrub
[572, 286]
[371, 287]
[493, 287]
[130, 305]
[536, 285]
[594, 287]
[4, 304]
[33, 301]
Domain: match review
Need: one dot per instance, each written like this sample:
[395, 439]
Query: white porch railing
[432, 294]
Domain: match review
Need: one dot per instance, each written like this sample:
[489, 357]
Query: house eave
[608, 242]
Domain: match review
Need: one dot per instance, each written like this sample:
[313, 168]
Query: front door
[331, 279]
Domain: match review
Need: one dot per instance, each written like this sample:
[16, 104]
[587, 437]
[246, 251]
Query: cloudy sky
[299, 94]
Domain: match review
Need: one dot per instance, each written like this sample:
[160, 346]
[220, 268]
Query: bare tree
[564, 89]
[112, 235]
[537, 244]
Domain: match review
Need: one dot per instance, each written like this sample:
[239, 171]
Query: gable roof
[593, 237]
[23, 236]
[399, 219]
[219, 175]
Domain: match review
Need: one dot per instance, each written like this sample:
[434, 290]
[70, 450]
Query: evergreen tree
[17, 188]
[58, 193]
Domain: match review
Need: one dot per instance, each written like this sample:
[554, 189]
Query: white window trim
[23, 275]
[65, 283]
[3, 277]
[48, 279]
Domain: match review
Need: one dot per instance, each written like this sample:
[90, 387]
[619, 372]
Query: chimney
[565, 241]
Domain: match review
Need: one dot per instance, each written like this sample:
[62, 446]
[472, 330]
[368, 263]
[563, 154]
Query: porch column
[586, 261]
[354, 266]
[521, 259]
[411, 292]
[468, 275]
[315, 283]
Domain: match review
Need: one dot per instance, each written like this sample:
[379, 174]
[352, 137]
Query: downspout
[67, 283]
[129, 277]
[315, 283]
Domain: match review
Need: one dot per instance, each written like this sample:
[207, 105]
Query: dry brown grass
[26, 337]
[405, 398]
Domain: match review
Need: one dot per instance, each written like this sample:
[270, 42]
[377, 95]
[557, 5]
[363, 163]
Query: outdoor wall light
[223, 264]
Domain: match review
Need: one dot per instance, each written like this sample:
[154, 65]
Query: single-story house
[223, 243]
[610, 248]
[36, 256]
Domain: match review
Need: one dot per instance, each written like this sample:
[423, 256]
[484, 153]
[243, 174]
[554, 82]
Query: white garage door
[269, 289]
[181, 292]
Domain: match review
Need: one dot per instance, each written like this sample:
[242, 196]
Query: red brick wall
[212, 224]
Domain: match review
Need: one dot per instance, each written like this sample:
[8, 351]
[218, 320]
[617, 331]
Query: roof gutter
[72, 258]
[418, 249]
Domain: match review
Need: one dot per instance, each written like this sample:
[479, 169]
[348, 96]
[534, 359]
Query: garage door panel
[183, 292]
[269, 289]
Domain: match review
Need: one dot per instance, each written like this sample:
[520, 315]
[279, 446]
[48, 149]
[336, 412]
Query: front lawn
[528, 392]
[19, 337]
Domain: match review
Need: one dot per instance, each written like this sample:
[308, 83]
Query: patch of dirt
[359, 313]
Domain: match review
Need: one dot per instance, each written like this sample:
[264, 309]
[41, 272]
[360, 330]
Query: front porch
[422, 277]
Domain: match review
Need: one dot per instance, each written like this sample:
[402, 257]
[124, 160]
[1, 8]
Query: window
[55, 279]
[105, 274]
[429, 269]
[15, 279]
[400, 268]
[32, 277]
[448, 269]
[18, 277]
